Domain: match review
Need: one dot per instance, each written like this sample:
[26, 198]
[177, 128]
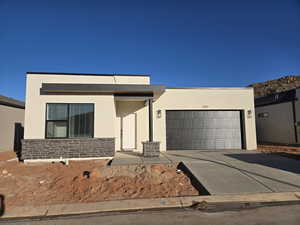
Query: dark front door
[199, 129]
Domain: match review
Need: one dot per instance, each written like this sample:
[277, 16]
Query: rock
[95, 173]
[179, 171]
[42, 181]
[4, 172]
[139, 169]
[200, 205]
[158, 168]
[275, 86]
[86, 174]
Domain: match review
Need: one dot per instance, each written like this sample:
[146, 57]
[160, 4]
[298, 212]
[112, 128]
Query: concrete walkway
[132, 158]
[230, 171]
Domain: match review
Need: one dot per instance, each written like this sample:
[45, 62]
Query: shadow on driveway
[2, 205]
[269, 160]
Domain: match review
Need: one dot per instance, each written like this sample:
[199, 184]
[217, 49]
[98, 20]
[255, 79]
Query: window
[263, 115]
[69, 120]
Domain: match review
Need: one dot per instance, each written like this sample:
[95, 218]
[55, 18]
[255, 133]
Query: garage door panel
[203, 130]
[220, 143]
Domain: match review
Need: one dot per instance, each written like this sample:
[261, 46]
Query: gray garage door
[192, 130]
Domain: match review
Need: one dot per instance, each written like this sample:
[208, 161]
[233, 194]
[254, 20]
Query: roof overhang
[11, 102]
[276, 98]
[120, 91]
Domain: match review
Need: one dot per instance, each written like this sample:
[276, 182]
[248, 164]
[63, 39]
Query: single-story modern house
[95, 115]
[11, 123]
[278, 117]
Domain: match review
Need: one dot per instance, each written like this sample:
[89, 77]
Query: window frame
[67, 121]
[263, 115]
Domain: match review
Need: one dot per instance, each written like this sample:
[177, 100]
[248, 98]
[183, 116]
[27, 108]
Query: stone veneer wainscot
[67, 148]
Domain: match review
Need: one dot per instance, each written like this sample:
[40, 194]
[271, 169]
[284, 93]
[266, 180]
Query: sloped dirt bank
[282, 150]
[55, 183]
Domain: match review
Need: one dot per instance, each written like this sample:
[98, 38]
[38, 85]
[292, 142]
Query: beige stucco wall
[132, 80]
[105, 114]
[206, 99]
[8, 117]
[108, 111]
[92, 79]
[196, 99]
[124, 108]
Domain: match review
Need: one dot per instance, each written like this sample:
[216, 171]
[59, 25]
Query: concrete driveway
[239, 171]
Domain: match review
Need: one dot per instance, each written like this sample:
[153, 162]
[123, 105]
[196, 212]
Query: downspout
[295, 121]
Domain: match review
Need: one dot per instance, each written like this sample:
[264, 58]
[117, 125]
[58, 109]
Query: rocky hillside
[274, 86]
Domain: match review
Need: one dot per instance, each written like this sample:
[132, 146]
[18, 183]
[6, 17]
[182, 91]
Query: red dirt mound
[54, 183]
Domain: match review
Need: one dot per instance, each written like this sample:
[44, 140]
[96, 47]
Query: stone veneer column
[151, 149]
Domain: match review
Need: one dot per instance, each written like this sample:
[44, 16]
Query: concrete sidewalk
[210, 203]
[132, 158]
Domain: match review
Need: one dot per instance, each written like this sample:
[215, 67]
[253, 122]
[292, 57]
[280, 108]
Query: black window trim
[68, 120]
[263, 115]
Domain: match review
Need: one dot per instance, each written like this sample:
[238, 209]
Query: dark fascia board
[87, 74]
[134, 95]
[11, 102]
[132, 98]
[277, 98]
[63, 88]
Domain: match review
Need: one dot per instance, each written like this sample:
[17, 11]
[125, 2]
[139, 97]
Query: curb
[208, 203]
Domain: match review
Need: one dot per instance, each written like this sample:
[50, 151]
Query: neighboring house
[94, 115]
[278, 117]
[11, 123]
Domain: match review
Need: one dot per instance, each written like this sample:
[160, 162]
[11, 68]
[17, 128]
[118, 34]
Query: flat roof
[87, 74]
[11, 102]
[280, 97]
[213, 88]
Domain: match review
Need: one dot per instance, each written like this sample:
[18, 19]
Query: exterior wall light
[158, 113]
[249, 113]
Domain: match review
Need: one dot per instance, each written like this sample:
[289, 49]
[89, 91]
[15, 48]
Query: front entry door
[128, 132]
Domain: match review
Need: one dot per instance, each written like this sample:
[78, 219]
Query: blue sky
[189, 43]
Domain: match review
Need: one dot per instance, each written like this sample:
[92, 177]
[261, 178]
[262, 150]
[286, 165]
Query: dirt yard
[54, 183]
[283, 150]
